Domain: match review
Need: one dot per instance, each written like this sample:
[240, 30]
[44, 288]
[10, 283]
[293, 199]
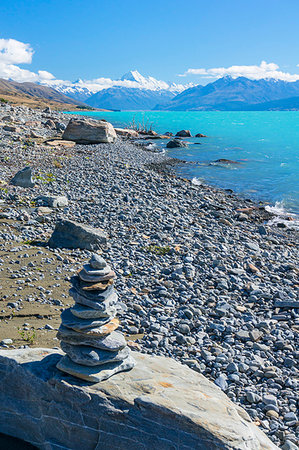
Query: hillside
[31, 94]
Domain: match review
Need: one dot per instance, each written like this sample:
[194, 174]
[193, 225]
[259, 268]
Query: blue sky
[165, 38]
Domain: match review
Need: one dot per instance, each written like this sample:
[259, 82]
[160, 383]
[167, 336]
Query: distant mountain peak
[133, 75]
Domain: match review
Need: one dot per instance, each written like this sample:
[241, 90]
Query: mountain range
[134, 92]
[227, 94]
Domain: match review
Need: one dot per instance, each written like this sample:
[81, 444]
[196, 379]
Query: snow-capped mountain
[83, 89]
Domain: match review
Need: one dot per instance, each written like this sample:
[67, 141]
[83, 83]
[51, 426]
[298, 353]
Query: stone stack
[94, 349]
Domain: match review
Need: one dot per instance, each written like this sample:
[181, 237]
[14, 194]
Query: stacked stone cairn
[94, 350]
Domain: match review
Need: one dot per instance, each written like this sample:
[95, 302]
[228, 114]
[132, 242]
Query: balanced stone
[85, 325]
[90, 356]
[71, 321]
[87, 331]
[97, 373]
[99, 286]
[90, 278]
[111, 342]
[89, 270]
[99, 295]
[94, 303]
[97, 262]
[86, 312]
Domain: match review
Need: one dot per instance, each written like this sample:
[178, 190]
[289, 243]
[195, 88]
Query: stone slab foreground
[160, 404]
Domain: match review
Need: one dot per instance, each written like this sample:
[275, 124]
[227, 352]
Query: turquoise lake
[265, 143]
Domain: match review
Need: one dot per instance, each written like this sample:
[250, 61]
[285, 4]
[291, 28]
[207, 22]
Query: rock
[23, 178]
[69, 234]
[168, 133]
[82, 324]
[110, 342]
[11, 128]
[89, 131]
[126, 132]
[169, 404]
[6, 341]
[98, 302]
[199, 135]
[174, 143]
[97, 262]
[289, 445]
[90, 356]
[184, 133]
[52, 201]
[85, 312]
[226, 161]
[77, 363]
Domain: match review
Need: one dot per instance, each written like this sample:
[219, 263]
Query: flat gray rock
[102, 305]
[97, 262]
[79, 324]
[69, 234]
[112, 342]
[95, 278]
[90, 356]
[85, 312]
[23, 178]
[89, 270]
[97, 373]
[98, 296]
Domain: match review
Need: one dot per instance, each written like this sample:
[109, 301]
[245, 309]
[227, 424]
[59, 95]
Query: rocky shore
[205, 280]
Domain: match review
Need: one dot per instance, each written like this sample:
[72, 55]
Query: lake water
[265, 144]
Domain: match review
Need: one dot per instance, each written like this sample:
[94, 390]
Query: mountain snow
[83, 89]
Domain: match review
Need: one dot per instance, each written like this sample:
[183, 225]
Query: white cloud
[264, 70]
[15, 52]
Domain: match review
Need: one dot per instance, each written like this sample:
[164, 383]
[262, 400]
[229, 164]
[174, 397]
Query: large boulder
[23, 178]
[174, 143]
[88, 131]
[69, 234]
[184, 133]
[160, 404]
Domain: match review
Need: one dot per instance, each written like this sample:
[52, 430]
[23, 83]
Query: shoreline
[203, 277]
[285, 218]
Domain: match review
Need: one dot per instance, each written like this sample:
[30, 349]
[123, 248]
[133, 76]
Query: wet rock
[176, 143]
[183, 133]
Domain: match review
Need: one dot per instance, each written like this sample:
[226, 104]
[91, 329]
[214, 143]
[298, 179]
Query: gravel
[201, 281]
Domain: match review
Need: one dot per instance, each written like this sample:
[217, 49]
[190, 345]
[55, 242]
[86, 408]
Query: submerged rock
[174, 143]
[184, 133]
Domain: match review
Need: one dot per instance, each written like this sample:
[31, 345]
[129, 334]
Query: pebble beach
[205, 278]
